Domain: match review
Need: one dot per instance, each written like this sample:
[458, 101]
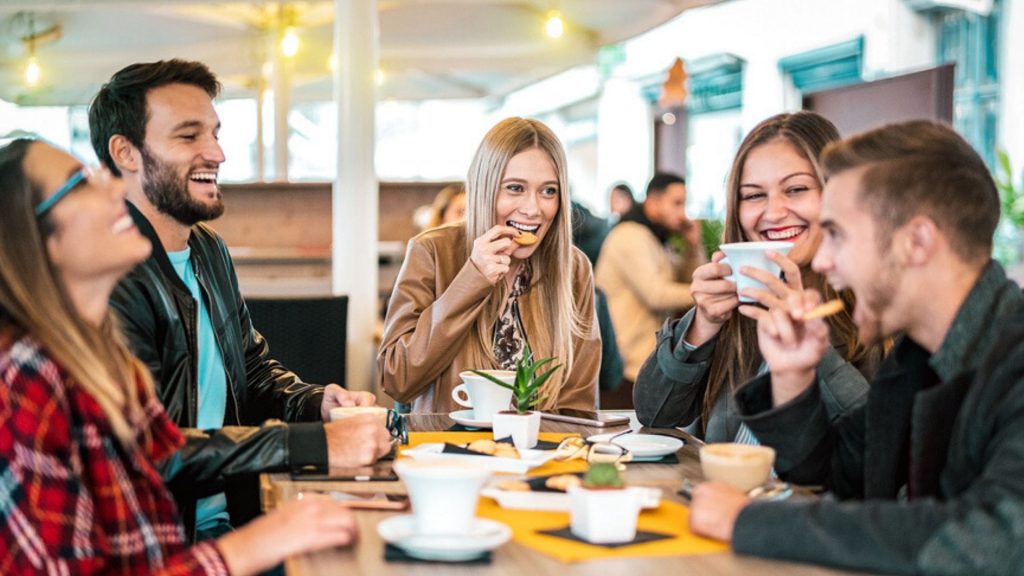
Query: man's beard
[877, 301]
[168, 192]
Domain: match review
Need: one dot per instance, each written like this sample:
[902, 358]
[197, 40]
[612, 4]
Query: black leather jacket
[158, 317]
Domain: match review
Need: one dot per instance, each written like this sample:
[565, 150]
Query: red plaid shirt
[73, 499]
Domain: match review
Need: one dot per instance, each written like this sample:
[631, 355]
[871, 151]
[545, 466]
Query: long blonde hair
[33, 299]
[736, 357]
[553, 313]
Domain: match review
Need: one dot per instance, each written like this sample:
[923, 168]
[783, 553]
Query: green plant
[603, 476]
[1011, 196]
[526, 387]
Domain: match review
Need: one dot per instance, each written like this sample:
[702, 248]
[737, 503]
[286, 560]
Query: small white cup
[483, 396]
[443, 495]
[342, 412]
[742, 466]
[739, 254]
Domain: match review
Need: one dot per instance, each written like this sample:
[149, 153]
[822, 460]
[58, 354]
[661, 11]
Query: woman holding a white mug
[472, 295]
[774, 190]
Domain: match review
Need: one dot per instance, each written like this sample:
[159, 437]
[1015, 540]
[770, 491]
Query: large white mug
[739, 254]
[483, 396]
[443, 494]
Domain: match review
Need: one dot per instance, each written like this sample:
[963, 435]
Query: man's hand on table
[356, 441]
[335, 396]
[714, 507]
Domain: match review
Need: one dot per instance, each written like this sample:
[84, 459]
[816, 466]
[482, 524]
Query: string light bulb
[554, 26]
[332, 62]
[380, 76]
[290, 43]
[32, 71]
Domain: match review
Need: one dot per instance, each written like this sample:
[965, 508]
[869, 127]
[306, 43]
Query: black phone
[381, 471]
[586, 417]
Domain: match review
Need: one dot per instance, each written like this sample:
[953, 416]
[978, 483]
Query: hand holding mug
[492, 252]
[715, 299]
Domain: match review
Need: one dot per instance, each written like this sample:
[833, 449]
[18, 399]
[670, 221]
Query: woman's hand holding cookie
[492, 252]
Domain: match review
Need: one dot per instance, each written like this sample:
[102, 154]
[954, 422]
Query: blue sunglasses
[61, 192]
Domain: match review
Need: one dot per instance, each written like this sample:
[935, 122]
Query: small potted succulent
[523, 423]
[603, 510]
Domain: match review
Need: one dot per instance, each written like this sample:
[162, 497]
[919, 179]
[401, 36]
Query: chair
[307, 335]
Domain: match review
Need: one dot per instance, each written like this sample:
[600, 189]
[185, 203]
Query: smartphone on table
[586, 417]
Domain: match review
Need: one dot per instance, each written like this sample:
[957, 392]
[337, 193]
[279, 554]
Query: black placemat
[642, 537]
[393, 553]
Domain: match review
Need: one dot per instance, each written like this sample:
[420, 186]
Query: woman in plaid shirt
[80, 427]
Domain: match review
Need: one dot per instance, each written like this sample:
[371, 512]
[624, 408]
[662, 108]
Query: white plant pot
[604, 516]
[523, 428]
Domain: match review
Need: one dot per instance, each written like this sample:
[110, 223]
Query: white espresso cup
[483, 396]
[739, 254]
[443, 495]
[342, 412]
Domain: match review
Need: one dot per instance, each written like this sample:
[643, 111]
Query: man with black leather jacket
[155, 126]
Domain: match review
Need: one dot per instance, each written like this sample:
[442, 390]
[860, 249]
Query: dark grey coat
[953, 420]
[670, 387]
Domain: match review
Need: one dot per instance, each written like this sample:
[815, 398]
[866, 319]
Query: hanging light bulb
[554, 26]
[380, 76]
[332, 62]
[32, 71]
[289, 42]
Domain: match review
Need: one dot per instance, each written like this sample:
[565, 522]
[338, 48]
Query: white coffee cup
[739, 254]
[443, 495]
[342, 412]
[742, 466]
[482, 395]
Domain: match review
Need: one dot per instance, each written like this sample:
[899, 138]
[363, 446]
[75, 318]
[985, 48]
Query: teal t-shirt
[213, 390]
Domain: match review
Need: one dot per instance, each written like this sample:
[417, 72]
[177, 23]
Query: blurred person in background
[620, 201]
[645, 275]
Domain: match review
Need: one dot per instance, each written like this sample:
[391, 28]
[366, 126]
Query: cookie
[525, 239]
[562, 482]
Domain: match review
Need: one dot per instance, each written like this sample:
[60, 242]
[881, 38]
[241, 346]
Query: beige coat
[437, 297]
[644, 283]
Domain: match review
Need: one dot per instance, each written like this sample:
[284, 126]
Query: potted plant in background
[523, 423]
[1009, 239]
[603, 510]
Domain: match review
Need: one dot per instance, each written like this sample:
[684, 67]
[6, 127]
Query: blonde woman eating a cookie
[472, 295]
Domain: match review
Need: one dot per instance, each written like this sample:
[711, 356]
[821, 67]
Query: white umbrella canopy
[429, 48]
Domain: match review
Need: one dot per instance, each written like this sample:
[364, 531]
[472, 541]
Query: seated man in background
[643, 275]
[937, 453]
[155, 126]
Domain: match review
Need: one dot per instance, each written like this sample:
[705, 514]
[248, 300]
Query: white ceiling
[429, 48]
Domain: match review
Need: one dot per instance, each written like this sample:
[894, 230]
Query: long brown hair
[736, 357]
[33, 299]
[553, 310]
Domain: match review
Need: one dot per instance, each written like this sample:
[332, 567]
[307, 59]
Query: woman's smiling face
[528, 197]
[780, 199]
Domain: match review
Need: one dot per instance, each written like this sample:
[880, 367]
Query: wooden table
[512, 559]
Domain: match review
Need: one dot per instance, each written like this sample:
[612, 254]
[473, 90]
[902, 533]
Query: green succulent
[1010, 195]
[526, 387]
[603, 475]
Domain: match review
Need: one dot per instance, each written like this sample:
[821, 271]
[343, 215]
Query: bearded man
[154, 125]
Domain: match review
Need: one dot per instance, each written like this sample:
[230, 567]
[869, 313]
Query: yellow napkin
[550, 467]
[669, 518]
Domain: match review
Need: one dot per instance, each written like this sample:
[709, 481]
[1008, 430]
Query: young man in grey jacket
[930, 471]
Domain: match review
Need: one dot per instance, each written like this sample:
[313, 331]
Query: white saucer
[465, 417]
[643, 445]
[485, 535]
